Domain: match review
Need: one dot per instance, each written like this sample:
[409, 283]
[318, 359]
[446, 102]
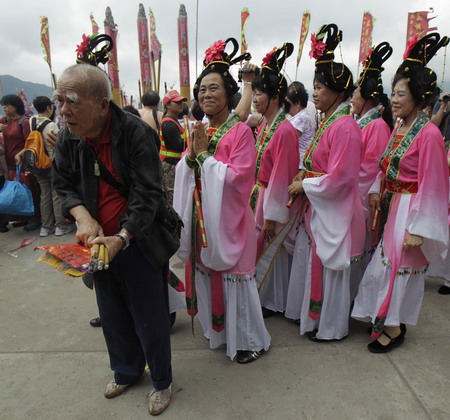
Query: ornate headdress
[270, 77]
[87, 55]
[219, 61]
[421, 80]
[337, 76]
[369, 81]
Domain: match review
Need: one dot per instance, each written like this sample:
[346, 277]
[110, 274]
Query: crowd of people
[319, 211]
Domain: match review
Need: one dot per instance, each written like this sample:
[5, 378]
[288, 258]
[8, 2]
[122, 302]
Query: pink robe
[279, 165]
[392, 288]
[229, 260]
[337, 221]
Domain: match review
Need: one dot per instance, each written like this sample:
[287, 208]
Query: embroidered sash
[365, 121]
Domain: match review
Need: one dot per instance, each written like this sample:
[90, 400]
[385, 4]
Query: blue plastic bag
[16, 198]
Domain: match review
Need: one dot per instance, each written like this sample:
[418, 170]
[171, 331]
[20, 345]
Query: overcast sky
[271, 23]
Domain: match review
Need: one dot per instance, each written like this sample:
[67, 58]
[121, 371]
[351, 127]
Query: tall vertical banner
[418, 24]
[45, 44]
[245, 14]
[303, 34]
[45, 41]
[155, 50]
[366, 35]
[95, 28]
[183, 53]
[113, 66]
[144, 50]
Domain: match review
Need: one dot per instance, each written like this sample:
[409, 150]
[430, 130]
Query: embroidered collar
[370, 116]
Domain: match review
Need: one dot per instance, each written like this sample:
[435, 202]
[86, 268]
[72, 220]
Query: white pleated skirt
[406, 298]
[274, 290]
[244, 322]
[299, 270]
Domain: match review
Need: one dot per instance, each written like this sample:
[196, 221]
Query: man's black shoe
[95, 322]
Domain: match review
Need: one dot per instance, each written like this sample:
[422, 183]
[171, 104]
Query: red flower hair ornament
[268, 58]
[215, 52]
[84, 46]
[411, 43]
[317, 47]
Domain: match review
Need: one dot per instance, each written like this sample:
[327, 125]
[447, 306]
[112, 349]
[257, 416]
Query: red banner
[303, 34]
[45, 40]
[418, 24]
[155, 45]
[366, 36]
[245, 14]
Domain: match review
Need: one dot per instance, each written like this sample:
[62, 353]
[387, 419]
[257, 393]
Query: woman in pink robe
[220, 247]
[332, 217]
[376, 126]
[415, 205]
[277, 161]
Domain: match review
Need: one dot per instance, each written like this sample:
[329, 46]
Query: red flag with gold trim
[366, 35]
[418, 24]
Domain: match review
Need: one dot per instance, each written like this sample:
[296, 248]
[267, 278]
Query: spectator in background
[15, 128]
[52, 220]
[441, 115]
[150, 113]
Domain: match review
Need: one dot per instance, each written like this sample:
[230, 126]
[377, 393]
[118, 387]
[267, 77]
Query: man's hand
[269, 230]
[88, 230]
[113, 243]
[412, 241]
[248, 76]
[2, 127]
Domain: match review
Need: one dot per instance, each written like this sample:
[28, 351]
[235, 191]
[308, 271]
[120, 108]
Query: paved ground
[54, 365]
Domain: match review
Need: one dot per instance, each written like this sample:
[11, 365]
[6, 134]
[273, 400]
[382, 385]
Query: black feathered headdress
[87, 55]
[369, 81]
[219, 61]
[337, 76]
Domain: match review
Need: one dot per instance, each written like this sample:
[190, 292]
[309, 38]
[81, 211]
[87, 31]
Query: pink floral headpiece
[268, 58]
[214, 52]
[84, 46]
[317, 47]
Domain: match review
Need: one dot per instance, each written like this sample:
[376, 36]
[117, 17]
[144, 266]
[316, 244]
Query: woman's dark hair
[297, 94]
[221, 64]
[336, 76]
[270, 80]
[196, 111]
[150, 98]
[229, 83]
[41, 103]
[14, 101]
[420, 79]
[132, 110]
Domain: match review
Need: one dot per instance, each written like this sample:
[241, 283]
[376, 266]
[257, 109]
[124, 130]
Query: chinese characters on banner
[366, 36]
[418, 24]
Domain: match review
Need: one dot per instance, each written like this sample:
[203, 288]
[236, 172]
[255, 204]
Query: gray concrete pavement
[54, 365]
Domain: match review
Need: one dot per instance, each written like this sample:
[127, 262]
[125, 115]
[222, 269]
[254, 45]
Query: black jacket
[135, 158]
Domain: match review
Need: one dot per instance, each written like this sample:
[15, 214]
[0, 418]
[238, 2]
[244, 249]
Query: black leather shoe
[377, 347]
[18, 224]
[95, 322]
[247, 356]
[4, 229]
[31, 227]
[444, 290]
[267, 313]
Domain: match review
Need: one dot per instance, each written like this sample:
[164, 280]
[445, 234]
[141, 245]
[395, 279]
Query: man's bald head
[89, 80]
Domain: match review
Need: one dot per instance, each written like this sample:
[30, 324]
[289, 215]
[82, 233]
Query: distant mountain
[11, 84]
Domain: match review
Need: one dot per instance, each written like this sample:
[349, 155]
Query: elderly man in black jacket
[108, 175]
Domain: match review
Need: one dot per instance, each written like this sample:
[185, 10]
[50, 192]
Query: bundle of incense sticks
[200, 218]
[99, 258]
